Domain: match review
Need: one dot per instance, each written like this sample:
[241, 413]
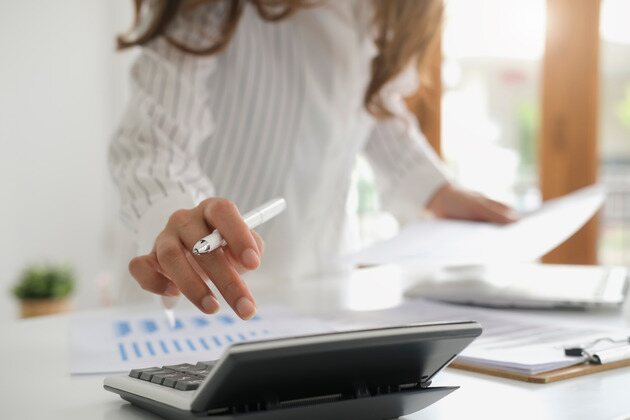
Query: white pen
[252, 219]
[209, 243]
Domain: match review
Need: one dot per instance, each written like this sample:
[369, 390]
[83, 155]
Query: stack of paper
[509, 342]
[455, 242]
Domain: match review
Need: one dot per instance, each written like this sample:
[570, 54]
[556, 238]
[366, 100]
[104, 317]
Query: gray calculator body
[369, 374]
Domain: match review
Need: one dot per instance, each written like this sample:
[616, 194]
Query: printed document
[119, 343]
[454, 242]
[512, 342]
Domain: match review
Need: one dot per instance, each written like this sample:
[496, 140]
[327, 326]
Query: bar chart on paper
[118, 343]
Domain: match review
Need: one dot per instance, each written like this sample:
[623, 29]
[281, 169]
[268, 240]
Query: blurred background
[63, 88]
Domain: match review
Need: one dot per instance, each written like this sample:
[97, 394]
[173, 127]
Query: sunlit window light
[614, 21]
[495, 28]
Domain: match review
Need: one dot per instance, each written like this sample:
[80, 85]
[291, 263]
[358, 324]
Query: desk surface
[36, 383]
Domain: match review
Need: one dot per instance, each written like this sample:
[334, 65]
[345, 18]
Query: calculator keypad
[185, 376]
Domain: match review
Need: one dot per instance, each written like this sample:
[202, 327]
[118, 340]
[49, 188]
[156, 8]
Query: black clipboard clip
[591, 350]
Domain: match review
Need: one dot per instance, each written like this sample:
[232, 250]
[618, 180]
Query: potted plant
[45, 290]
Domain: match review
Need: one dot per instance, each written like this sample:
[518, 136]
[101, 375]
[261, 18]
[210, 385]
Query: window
[490, 106]
[614, 131]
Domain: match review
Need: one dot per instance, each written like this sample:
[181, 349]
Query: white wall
[62, 87]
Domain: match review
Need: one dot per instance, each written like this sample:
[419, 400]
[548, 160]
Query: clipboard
[544, 377]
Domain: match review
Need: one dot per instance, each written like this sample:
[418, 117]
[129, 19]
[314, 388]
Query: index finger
[172, 258]
[223, 215]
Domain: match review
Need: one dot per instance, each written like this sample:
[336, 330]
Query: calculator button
[170, 381]
[182, 367]
[148, 375]
[135, 373]
[159, 378]
[201, 372]
[209, 364]
[188, 384]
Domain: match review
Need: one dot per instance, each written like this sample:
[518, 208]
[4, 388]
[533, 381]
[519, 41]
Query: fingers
[498, 206]
[145, 269]
[235, 261]
[171, 267]
[223, 270]
[189, 233]
[172, 259]
[260, 243]
[223, 215]
[188, 270]
[226, 278]
[497, 212]
[455, 203]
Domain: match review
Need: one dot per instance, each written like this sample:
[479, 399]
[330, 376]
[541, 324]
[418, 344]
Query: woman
[249, 100]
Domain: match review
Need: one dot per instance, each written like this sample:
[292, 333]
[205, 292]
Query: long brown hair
[403, 33]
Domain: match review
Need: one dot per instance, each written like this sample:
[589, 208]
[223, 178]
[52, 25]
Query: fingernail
[249, 258]
[171, 290]
[245, 308]
[209, 304]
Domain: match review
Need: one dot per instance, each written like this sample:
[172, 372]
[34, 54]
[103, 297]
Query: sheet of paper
[511, 342]
[119, 343]
[453, 242]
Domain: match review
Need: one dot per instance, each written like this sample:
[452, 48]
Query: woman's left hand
[455, 203]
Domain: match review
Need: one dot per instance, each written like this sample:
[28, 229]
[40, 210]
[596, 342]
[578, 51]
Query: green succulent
[45, 282]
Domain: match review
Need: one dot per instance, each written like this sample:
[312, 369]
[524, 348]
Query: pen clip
[201, 247]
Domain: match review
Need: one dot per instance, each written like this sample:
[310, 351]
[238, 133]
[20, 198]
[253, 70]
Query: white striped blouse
[278, 113]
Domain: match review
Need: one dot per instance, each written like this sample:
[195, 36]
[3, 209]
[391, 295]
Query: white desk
[35, 383]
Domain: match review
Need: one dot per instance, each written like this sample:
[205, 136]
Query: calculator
[375, 374]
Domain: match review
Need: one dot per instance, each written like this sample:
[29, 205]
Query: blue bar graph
[136, 349]
[177, 346]
[200, 321]
[190, 344]
[226, 319]
[122, 328]
[149, 336]
[150, 348]
[204, 344]
[149, 326]
[122, 351]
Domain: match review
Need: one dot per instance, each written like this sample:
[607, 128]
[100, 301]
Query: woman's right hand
[171, 268]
